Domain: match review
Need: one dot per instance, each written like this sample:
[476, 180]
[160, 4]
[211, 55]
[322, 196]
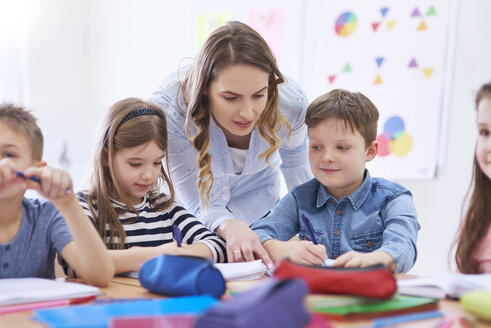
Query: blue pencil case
[177, 275]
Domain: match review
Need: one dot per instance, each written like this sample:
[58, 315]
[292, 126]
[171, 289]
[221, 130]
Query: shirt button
[7, 247]
[338, 212]
[336, 232]
[335, 256]
[5, 265]
[369, 244]
[332, 201]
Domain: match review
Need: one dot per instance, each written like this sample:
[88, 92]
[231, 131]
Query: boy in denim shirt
[357, 220]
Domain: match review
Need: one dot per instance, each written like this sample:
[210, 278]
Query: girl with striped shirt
[132, 216]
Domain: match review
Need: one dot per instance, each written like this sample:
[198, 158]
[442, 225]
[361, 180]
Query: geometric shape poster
[395, 53]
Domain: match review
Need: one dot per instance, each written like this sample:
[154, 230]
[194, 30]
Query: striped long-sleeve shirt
[154, 228]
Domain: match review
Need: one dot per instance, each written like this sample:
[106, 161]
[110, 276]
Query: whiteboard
[394, 52]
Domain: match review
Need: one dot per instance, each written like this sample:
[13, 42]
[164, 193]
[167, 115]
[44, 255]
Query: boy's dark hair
[356, 110]
[23, 121]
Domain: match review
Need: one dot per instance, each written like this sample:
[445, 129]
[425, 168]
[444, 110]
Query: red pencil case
[374, 281]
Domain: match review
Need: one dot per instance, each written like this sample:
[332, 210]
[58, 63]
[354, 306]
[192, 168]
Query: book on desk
[450, 285]
[350, 308]
[23, 294]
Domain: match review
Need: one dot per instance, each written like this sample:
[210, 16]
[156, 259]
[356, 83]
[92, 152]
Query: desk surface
[122, 287]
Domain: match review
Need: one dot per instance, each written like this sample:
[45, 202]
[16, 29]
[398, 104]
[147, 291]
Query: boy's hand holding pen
[50, 183]
[310, 229]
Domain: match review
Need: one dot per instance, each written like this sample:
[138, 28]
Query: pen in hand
[310, 229]
[35, 179]
[177, 235]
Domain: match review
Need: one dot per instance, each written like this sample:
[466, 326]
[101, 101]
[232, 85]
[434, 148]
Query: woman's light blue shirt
[379, 215]
[251, 194]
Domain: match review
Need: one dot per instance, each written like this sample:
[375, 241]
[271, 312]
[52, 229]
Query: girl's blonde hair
[232, 44]
[124, 126]
[478, 216]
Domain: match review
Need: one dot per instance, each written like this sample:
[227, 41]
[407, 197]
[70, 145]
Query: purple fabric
[272, 304]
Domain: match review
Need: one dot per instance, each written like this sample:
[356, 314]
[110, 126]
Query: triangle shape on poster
[378, 80]
[347, 68]
[415, 12]
[379, 61]
[390, 24]
[413, 63]
[428, 72]
[431, 11]
[384, 11]
[375, 26]
[422, 26]
[331, 78]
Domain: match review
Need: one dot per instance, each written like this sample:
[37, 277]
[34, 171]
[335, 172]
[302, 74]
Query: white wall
[85, 55]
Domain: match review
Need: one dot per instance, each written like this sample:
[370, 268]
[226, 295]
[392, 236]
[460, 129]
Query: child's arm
[200, 241]
[86, 254]
[398, 249]
[357, 260]
[133, 258]
[303, 252]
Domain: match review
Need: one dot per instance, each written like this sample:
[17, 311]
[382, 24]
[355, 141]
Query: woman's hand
[242, 243]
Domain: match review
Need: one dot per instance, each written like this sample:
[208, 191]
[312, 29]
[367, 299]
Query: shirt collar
[357, 198]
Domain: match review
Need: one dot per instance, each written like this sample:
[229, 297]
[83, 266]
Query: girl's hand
[173, 249]
[306, 252]
[56, 185]
[242, 243]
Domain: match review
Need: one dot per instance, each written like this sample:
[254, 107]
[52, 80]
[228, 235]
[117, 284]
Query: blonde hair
[121, 129]
[23, 121]
[232, 44]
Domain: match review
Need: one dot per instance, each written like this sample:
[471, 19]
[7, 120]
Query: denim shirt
[379, 215]
[251, 194]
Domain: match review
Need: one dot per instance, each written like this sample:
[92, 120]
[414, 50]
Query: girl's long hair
[477, 218]
[232, 44]
[103, 184]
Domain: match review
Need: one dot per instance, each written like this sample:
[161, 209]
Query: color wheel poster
[395, 53]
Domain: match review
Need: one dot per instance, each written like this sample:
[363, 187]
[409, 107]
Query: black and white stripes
[154, 228]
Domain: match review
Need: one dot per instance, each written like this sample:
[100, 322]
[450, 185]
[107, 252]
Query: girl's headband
[138, 112]
[134, 113]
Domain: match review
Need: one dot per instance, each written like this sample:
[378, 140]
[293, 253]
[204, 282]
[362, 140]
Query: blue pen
[177, 235]
[382, 322]
[33, 178]
[310, 229]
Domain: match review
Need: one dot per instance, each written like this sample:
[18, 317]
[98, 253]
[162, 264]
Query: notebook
[230, 271]
[242, 270]
[30, 290]
[100, 315]
[449, 285]
[400, 304]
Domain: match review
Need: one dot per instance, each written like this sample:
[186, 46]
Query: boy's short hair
[23, 121]
[353, 108]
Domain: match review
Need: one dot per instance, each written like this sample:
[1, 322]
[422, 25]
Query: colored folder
[99, 315]
[398, 305]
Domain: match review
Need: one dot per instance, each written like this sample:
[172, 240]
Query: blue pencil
[33, 178]
[310, 229]
[405, 318]
[177, 235]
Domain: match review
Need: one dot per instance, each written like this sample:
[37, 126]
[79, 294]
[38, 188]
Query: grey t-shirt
[43, 232]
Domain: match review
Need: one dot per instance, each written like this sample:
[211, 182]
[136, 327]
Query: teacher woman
[233, 123]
